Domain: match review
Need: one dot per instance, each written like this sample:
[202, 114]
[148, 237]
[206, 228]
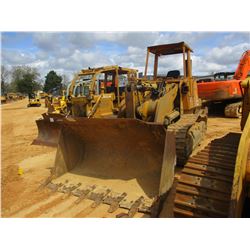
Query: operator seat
[173, 74]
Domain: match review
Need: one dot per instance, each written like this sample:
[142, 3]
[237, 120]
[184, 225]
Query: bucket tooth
[54, 187]
[98, 197]
[134, 208]
[82, 194]
[113, 199]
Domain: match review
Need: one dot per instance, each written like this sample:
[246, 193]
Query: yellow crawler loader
[49, 126]
[57, 104]
[94, 92]
[129, 162]
[98, 92]
[34, 100]
[3, 99]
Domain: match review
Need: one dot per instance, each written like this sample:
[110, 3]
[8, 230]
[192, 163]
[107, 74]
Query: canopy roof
[169, 49]
[106, 69]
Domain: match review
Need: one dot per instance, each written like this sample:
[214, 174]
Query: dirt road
[18, 132]
[20, 194]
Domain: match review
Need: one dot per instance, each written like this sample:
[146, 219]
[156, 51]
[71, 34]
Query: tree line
[26, 80]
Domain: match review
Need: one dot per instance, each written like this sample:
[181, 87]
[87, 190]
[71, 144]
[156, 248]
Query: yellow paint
[20, 171]
[242, 163]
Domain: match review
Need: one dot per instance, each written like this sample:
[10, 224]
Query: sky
[69, 52]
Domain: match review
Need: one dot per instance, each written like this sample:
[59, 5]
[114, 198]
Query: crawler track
[205, 183]
[233, 110]
[189, 131]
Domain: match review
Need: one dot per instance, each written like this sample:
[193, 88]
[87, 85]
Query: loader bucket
[52, 116]
[126, 156]
[48, 132]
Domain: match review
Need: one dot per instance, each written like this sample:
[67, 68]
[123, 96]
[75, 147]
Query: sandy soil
[18, 132]
[20, 194]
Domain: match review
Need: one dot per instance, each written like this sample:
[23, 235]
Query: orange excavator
[227, 92]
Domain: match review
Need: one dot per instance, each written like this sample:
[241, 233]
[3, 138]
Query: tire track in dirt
[29, 211]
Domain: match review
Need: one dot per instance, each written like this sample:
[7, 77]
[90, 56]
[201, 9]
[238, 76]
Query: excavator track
[189, 131]
[205, 183]
[233, 110]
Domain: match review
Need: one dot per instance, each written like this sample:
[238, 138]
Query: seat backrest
[174, 73]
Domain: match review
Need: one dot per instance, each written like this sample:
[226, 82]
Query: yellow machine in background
[34, 100]
[42, 94]
[3, 99]
[98, 92]
[12, 96]
[57, 104]
[9, 97]
[95, 92]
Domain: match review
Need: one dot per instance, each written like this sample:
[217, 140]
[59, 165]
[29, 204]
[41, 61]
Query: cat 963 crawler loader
[128, 162]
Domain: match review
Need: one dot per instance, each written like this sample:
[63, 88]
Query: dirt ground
[18, 132]
[20, 195]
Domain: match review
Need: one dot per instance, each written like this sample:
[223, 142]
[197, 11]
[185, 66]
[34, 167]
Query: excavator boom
[243, 66]
[227, 92]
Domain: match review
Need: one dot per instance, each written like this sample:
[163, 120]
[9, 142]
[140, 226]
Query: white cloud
[46, 40]
[237, 37]
[189, 37]
[227, 55]
[201, 66]
[67, 53]
[134, 50]
[14, 57]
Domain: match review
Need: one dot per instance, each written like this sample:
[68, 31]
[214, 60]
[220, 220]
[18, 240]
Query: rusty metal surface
[242, 167]
[133, 209]
[103, 195]
[98, 197]
[118, 145]
[125, 156]
[82, 194]
[205, 184]
[54, 116]
[113, 200]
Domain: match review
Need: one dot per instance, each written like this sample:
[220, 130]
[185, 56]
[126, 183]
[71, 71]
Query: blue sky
[68, 52]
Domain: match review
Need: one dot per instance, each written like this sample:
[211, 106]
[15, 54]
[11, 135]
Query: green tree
[27, 84]
[52, 80]
[25, 79]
